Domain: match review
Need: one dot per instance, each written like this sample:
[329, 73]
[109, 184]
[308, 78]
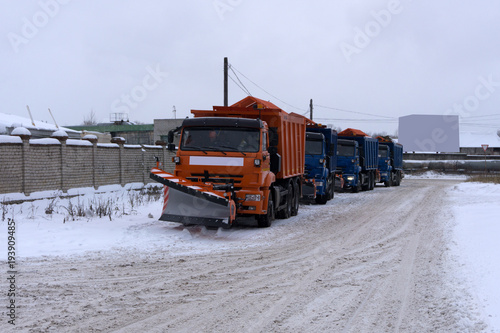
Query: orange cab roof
[250, 101]
[352, 132]
[386, 138]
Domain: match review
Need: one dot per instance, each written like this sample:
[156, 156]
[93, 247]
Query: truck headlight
[176, 160]
[350, 178]
[252, 197]
[256, 162]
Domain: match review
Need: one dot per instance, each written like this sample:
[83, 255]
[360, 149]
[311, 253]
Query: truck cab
[391, 162]
[321, 164]
[232, 155]
[348, 163]
[384, 164]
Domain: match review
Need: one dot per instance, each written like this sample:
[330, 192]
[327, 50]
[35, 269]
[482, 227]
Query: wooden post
[225, 82]
[311, 109]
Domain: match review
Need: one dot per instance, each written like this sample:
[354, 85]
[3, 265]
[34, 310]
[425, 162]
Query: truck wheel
[398, 179]
[321, 199]
[387, 183]
[296, 198]
[287, 211]
[265, 220]
[331, 189]
[357, 188]
[366, 187]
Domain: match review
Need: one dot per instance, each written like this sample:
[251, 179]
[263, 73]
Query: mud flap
[187, 203]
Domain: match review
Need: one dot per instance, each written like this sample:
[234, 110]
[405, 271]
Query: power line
[245, 91]
[350, 111]
[486, 115]
[361, 120]
[255, 84]
[248, 92]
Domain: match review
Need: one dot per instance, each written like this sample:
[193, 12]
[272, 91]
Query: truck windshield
[383, 153]
[220, 139]
[314, 147]
[346, 150]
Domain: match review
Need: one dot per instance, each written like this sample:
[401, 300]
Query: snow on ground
[434, 175]
[476, 233]
[134, 226]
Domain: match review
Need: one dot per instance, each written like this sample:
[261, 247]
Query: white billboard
[429, 133]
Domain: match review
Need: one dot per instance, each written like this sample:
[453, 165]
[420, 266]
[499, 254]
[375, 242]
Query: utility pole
[311, 109]
[225, 81]
[174, 111]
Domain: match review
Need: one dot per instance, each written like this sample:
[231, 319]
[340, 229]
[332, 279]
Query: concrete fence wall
[28, 166]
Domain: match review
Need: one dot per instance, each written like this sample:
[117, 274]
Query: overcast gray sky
[364, 63]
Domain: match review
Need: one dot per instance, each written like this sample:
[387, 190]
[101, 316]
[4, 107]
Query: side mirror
[275, 163]
[170, 136]
[171, 147]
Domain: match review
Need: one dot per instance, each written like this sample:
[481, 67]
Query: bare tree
[90, 119]
[375, 134]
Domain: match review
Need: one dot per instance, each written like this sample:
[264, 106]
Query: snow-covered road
[387, 260]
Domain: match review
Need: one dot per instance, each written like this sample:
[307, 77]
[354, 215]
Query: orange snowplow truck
[246, 159]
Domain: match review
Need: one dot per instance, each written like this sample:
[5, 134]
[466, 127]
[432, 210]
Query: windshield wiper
[234, 149]
[214, 148]
[195, 148]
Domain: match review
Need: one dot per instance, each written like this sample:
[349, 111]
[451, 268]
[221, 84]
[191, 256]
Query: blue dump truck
[321, 163]
[357, 160]
[390, 163]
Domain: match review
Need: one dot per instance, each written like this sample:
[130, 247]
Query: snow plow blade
[189, 203]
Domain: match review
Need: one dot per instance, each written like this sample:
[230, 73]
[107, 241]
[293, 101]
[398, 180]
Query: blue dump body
[391, 163]
[321, 163]
[358, 161]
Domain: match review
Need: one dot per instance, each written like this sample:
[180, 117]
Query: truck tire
[287, 211]
[372, 180]
[322, 199]
[398, 179]
[388, 182]
[331, 189]
[366, 187]
[265, 220]
[296, 198]
[357, 188]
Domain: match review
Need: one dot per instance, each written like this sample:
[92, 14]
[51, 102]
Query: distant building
[429, 133]
[163, 126]
[133, 134]
[470, 143]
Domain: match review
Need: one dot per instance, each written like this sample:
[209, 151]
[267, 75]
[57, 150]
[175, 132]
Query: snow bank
[476, 234]
[435, 175]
